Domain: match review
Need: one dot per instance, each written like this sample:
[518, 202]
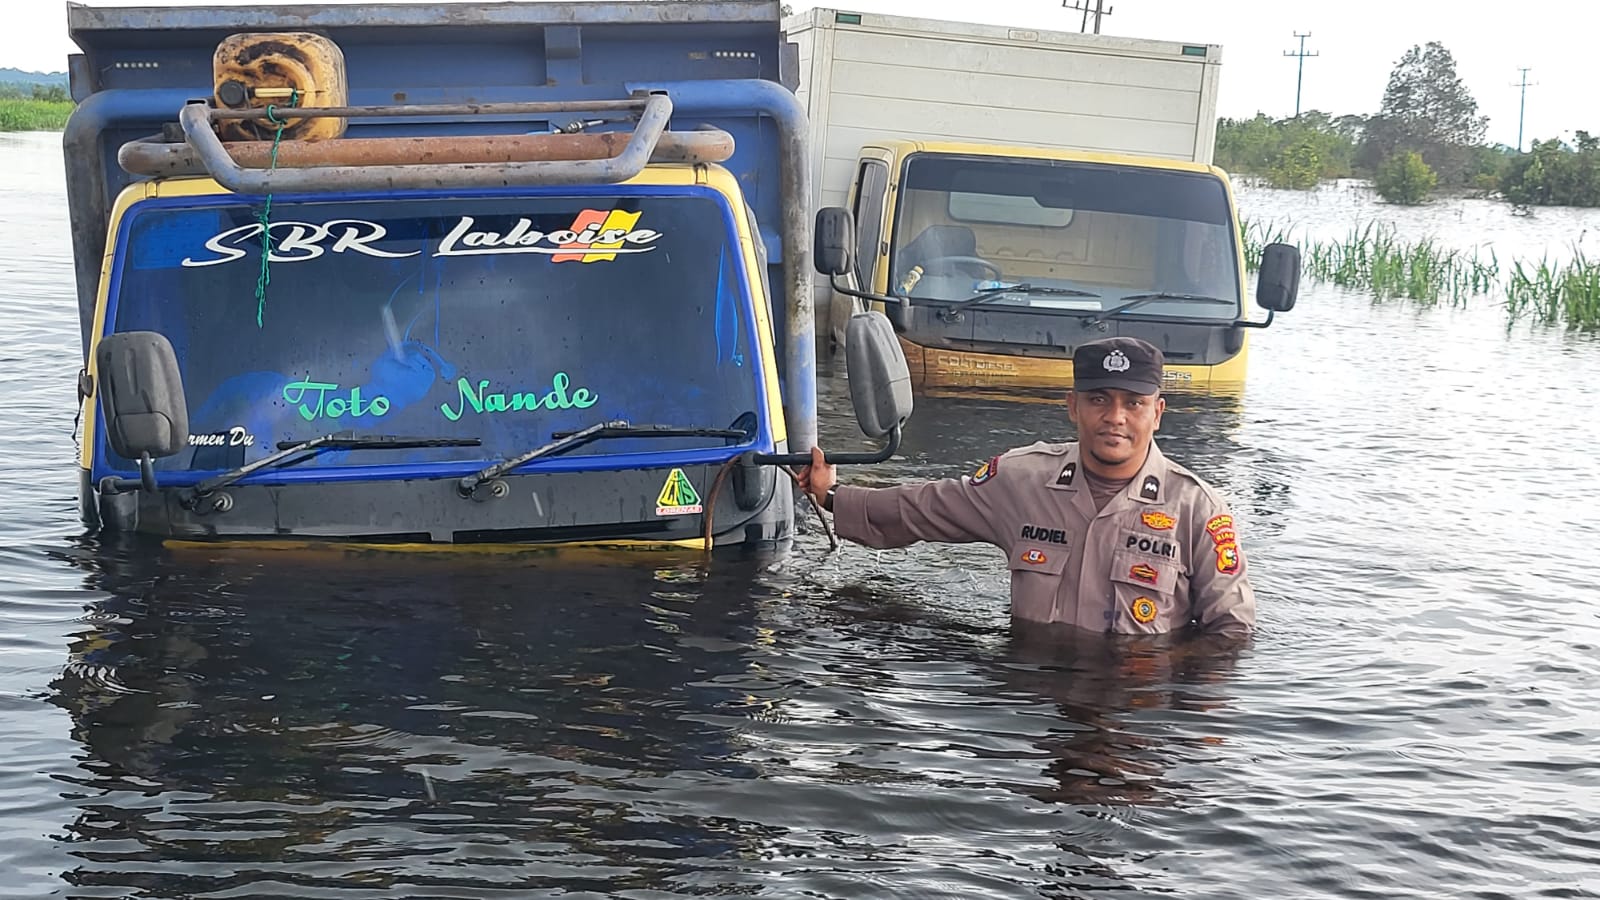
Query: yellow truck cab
[995, 262]
[1016, 192]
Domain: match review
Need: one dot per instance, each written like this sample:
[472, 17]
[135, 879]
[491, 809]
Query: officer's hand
[816, 478]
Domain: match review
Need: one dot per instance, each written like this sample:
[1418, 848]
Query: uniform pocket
[1036, 572]
[1146, 591]
[1048, 559]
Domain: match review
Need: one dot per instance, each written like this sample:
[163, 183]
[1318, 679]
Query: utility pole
[1100, 9]
[1522, 109]
[1300, 79]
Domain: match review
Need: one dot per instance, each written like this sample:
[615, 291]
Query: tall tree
[1427, 109]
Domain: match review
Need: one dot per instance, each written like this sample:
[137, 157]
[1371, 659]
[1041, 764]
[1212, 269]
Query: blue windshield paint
[413, 370]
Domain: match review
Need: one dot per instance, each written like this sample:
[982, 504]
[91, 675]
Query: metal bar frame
[158, 158]
[197, 119]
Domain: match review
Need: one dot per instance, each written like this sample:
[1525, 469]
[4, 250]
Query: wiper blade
[566, 440]
[1024, 288]
[1134, 300]
[470, 483]
[658, 431]
[340, 441]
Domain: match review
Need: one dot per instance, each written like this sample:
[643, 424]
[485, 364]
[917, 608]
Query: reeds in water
[1555, 293]
[1374, 258]
[34, 115]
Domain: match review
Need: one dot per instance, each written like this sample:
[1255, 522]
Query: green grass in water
[1373, 258]
[34, 115]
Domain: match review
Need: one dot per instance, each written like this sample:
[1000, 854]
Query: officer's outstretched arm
[952, 510]
[1223, 600]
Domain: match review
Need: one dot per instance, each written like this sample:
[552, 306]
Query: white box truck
[1007, 148]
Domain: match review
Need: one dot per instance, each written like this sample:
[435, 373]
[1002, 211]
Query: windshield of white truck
[1069, 237]
[506, 319]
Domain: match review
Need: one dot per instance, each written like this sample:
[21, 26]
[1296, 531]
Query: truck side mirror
[1278, 281]
[835, 242]
[880, 381]
[141, 395]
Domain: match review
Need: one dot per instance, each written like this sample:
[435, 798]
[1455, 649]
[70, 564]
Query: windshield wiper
[566, 440]
[1133, 300]
[341, 441]
[954, 313]
[626, 430]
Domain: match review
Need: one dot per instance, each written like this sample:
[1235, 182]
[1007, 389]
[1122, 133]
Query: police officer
[1105, 533]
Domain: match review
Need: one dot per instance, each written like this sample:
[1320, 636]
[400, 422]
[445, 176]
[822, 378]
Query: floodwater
[1417, 716]
[1469, 224]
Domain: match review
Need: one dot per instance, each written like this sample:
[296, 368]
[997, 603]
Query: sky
[1358, 44]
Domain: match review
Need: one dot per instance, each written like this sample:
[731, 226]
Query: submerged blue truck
[415, 275]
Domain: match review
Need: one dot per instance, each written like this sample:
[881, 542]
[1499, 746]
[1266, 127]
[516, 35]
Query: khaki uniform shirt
[1162, 553]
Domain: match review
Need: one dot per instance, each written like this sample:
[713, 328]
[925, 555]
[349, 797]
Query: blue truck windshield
[502, 319]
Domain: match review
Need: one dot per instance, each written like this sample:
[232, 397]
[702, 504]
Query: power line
[1524, 104]
[1300, 79]
[1100, 9]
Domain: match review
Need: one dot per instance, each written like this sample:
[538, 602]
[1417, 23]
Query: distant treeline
[49, 93]
[18, 76]
[1426, 136]
[1554, 173]
[1299, 153]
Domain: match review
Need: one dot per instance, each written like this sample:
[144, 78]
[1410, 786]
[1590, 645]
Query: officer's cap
[1125, 363]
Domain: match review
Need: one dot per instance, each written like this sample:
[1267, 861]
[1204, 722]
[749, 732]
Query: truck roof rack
[389, 163]
[158, 156]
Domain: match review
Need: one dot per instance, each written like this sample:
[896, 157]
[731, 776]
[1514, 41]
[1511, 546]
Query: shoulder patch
[986, 471]
[1229, 559]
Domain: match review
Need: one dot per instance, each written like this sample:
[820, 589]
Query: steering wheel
[943, 261]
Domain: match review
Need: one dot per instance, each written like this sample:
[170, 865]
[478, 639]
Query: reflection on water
[599, 723]
[466, 717]
[1415, 717]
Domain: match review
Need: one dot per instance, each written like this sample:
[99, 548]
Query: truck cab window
[504, 319]
[872, 184]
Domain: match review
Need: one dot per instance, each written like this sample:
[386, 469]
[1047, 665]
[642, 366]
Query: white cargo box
[866, 77]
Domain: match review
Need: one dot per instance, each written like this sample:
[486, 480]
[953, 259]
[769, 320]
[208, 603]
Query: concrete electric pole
[1100, 9]
[1300, 79]
[1523, 106]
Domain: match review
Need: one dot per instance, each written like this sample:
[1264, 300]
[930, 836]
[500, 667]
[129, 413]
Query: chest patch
[1144, 610]
[1158, 520]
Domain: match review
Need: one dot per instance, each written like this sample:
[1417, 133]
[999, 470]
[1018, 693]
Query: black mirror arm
[851, 459]
[852, 292]
[1245, 323]
[147, 472]
[146, 480]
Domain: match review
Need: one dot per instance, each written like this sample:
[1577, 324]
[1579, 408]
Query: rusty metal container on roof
[254, 70]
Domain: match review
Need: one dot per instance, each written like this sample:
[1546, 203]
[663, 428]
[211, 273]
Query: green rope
[265, 277]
